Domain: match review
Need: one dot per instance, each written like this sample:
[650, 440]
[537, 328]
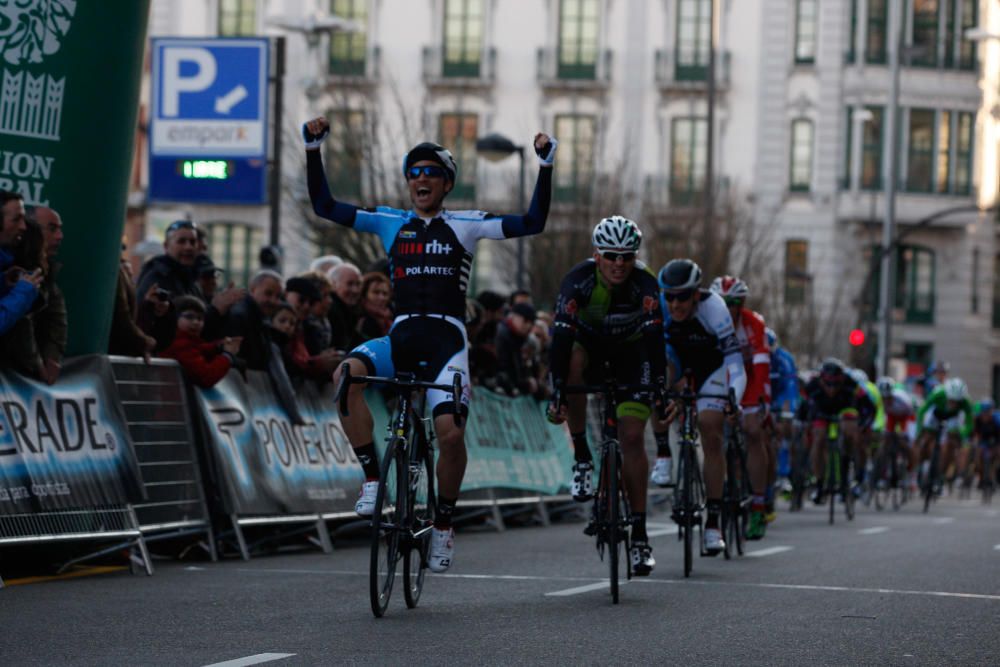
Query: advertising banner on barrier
[267, 464]
[67, 445]
[512, 445]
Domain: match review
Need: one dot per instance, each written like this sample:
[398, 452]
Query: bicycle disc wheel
[422, 504]
[386, 528]
[614, 529]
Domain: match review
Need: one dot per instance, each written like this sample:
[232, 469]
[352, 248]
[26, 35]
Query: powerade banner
[512, 445]
[65, 446]
[267, 464]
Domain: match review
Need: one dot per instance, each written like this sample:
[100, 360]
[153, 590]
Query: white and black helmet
[955, 389]
[428, 150]
[679, 274]
[617, 233]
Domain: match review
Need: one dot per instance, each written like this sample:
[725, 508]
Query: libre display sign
[69, 97]
[208, 132]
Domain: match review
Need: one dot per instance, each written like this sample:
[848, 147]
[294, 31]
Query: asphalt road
[888, 588]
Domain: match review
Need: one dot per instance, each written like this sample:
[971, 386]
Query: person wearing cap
[430, 251]
[513, 375]
[607, 311]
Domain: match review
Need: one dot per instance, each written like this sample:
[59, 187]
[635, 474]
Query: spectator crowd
[181, 306]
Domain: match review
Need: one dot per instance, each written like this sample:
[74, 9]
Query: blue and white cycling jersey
[784, 380]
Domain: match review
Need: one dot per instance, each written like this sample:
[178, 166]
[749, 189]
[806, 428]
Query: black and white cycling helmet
[617, 233]
[428, 150]
[679, 274]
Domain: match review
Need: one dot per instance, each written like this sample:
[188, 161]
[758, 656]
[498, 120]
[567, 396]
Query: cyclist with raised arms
[430, 253]
[749, 326]
[608, 310]
[701, 343]
[939, 412]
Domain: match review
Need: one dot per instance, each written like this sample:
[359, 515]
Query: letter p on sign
[174, 83]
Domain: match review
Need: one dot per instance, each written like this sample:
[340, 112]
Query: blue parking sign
[208, 126]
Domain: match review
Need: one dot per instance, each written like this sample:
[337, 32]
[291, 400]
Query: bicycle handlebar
[401, 383]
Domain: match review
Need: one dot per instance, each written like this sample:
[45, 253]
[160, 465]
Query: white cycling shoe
[366, 499]
[713, 541]
[582, 488]
[662, 470]
[442, 549]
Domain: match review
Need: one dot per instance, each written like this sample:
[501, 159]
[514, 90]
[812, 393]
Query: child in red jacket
[204, 363]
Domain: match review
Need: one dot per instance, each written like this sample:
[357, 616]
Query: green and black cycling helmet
[428, 150]
[678, 275]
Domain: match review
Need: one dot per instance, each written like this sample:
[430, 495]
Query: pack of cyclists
[662, 328]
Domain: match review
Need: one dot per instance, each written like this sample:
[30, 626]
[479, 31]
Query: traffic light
[857, 337]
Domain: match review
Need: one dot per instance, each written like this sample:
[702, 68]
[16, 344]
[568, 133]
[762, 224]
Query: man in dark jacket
[166, 277]
[513, 373]
[248, 318]
[345, 310]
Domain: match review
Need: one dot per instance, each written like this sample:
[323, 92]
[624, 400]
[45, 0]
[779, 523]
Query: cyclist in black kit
[430, 257]
[608, 309]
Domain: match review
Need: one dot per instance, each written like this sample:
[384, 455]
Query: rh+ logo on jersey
[435, 247]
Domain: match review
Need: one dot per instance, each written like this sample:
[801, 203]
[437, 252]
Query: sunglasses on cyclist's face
[682, 295]
[430, 171]
[734, 302]
[612, 256]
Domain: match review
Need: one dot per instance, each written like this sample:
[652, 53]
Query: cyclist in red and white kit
[757, 360]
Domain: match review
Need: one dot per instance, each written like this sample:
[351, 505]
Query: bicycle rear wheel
[422, 504]
[610, 472]
[387, 521]
[687, 502]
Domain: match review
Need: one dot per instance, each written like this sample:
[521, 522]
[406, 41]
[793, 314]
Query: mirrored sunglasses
[430, 171]
[612, 256]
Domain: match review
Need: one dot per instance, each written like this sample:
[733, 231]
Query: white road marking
[580, 589]
[768, 552]
[996, 547]
[874, 530]
[666, 530]
[943, 519]
[252, 660]
[646, 580]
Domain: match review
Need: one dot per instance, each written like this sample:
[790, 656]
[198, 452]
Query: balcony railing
[554, 73]
[674, 76]
[440, 72]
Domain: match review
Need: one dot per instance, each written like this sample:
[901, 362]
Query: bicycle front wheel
[930, 480]
[832, 484]
[422, 504]
[612, 491]
[688, 502]
[388, 520]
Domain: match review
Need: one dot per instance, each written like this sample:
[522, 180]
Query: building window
[796, 272]
[234, 249]
[802, 154]
[919, 174]
[458, 132]
[875, 38]
[237, 18]
[851, 55]
[925, 32]
[688, 152]
[805, 32]
[915, 284]
[463, 37]
[963, 152]
[576, 163]
[871, 149]
[344, 153]
[348, 50]
[693, 39]
[918, 355]
[969, 19]
[943, 166]
[578, 32]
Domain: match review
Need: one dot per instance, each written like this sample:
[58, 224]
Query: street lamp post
[496, 147]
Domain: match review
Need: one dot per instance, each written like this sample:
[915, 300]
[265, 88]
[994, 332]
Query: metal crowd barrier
[154, 397]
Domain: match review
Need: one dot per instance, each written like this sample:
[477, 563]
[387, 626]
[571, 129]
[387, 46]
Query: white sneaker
[661, 472]
[366, 499]
[582, 488]
[713, 541]
[442, 549]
